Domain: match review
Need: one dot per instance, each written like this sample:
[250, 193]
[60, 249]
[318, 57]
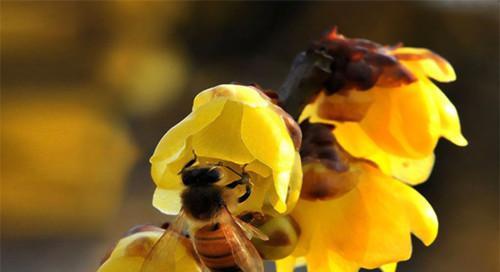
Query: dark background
[80, 74]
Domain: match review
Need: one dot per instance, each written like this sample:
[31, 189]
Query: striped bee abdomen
[214, 250]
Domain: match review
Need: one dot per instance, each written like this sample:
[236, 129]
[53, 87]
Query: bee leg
[247, 193]
[244, 180]
[235, 183]
[191, 162]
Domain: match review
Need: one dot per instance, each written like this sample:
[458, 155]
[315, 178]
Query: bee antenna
[232, 170]
[189, 163]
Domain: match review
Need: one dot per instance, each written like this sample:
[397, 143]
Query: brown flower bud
[321, 182]
[328, 170]
[360, 64]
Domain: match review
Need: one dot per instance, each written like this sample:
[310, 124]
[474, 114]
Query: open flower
[350, 214]
[368, 227]
[131, 251]
[241, 126]
[385, 107]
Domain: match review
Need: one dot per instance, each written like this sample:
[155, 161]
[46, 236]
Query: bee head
[200, 176]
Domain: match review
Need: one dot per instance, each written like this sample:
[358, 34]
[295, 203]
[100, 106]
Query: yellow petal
[322, 258]
[317, 258]
[404, 121]
[411, 171]
[422, 218]
[168, 201]
[286, 265]
[130, 252]
[222, 139]
[259, 168]
[427, 61]
[389, 267]
[173, 143]
[238, 93]
[265, 135]
[122, 265]
[294, 190]
[311, 111]
[370, 226]
[450, 123]
[335, 262]
[289, 263]
[357, 143]
[295, 185]
[346, 106]
[171, 179]
[261, 187]
[338, 263]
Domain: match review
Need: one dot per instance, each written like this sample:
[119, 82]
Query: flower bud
[321, 182]
[283, 233]
[329, 172]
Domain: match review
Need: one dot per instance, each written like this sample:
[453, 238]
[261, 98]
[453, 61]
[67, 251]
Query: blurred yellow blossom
[239, 125]
[144, 79]
[56, 150]
[144, 67]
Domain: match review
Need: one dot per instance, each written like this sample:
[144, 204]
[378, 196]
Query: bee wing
[244, 253]
[162, 254]
[250, 230]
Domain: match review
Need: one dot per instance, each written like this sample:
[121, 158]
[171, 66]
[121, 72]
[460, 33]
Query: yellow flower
[131, 251]
[385, 107]
[239, 125]
[362, 218]
[368, 227]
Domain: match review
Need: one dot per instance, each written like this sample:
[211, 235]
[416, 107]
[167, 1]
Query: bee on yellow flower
[239, 126]
[235, 154]
[372, 120]
[333, 194]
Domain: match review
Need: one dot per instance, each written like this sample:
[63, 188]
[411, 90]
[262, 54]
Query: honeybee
[221, 241]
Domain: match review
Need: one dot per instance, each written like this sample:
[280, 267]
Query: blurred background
[88, 89]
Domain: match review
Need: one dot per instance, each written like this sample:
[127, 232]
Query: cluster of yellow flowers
[388, 133]
[339, 187]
